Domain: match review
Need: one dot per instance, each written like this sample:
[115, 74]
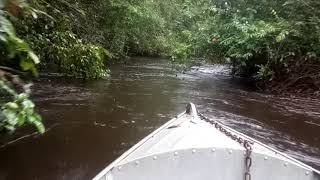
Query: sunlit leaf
[26, 65]
[3, 37]
[21, 97]
[40, 127]
[28, 104]
[9, 127]
[7, 27]
[34, 57]
[21, 119]
[34, 14]
[12, 105]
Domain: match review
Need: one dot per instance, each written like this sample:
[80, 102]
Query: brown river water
[90, 123]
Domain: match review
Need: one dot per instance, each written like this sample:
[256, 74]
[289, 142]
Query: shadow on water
[90, 123]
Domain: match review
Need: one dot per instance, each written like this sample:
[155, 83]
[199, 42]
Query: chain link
[245, 143]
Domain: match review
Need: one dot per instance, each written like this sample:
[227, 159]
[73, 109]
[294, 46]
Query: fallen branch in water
[27, 136]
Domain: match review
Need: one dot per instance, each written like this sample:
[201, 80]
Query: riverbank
[295, 85]
[78, 38]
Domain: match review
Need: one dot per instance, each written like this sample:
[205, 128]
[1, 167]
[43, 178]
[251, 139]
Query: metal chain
[245, 143]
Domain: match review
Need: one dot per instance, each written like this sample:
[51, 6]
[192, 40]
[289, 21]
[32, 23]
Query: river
[90, 123]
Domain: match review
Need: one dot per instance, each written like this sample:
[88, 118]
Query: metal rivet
[213, 150]
[230, 151]
[155, 157]
[265, 158]
[307, 173]
[285, 164]
[176, 153]
[136, 163]
[193, 151]
[119, 168]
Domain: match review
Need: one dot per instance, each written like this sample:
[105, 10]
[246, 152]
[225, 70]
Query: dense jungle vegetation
[275, 42]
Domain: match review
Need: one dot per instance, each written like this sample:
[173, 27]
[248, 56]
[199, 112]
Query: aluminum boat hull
[188, 148]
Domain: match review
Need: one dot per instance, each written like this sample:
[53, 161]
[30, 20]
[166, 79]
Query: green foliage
[264, 72]
[74, 58]
[263, 39]
[52, 37]
[180, 52]
[18, 112]
[17, 53]
[16, 48]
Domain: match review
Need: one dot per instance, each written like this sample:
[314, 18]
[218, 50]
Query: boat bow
[189, 148]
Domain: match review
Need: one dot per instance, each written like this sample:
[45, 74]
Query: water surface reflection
[92, 123]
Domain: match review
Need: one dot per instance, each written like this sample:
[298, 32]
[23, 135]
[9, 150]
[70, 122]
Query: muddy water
[89, 124]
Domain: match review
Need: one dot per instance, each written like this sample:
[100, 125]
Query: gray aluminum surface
[187, 148]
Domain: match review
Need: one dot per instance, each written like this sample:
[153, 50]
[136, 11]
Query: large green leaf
[34, 57]
[28, 65]
[40, 127]
[7, 27]
[12, 105]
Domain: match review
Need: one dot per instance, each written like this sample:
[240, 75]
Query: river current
[91, 123]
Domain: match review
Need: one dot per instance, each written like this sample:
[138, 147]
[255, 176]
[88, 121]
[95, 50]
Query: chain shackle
[247, 176]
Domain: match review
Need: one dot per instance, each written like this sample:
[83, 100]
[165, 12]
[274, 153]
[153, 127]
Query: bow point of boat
[193, 147]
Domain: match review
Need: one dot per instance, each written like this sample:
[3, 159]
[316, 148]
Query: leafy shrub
[52, 37]
[14, 47]
[180, 52]
[74, 58]
[17, 53]
[18, 112]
